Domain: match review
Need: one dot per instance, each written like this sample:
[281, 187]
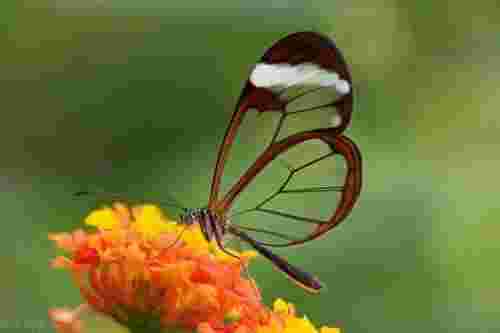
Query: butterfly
[300, 75]
[306, 63]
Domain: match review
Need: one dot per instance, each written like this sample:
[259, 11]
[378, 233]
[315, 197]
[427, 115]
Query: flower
[142, 268]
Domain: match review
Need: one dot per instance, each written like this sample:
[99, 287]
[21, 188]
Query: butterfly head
[195, 215]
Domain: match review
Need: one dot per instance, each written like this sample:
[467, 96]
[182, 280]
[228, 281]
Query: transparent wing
[315, 190]
[287, 129]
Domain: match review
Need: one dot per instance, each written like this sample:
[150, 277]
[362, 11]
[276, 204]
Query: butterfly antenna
[122, 196]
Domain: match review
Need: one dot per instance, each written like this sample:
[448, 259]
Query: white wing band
[280, 76]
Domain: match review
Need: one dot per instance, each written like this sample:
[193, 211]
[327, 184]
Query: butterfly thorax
[211, 224]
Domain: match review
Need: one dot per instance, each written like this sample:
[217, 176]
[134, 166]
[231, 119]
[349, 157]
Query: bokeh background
[134, 96]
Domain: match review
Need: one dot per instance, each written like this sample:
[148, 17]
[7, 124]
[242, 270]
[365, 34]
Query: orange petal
[205, 328]
[173, 275]
[63, 241]
[61, 262]
[86, 255]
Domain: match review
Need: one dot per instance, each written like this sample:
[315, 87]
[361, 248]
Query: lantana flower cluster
[143, 269]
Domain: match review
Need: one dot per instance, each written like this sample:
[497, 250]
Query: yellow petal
[149, 222]
[326, 329]
[299, 325]
[223, 255]
[265, 329]
[103, 219]
[280, 306]
[194, 238]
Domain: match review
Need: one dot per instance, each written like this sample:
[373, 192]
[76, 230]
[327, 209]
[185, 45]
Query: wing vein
[266, 231]
[315, 189]
[291, 216]
[319, 159]
[278, 128]
[314, 108]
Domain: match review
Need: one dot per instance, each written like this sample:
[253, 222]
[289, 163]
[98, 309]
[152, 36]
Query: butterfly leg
[220, 244]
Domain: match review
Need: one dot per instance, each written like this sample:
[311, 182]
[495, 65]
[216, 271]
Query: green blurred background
[134, 96]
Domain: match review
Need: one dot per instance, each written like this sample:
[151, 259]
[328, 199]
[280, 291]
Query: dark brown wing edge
[340, 144]
[227, 142]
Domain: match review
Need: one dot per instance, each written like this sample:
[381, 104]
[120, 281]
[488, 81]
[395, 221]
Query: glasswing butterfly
[302, 66]
[301, 79]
